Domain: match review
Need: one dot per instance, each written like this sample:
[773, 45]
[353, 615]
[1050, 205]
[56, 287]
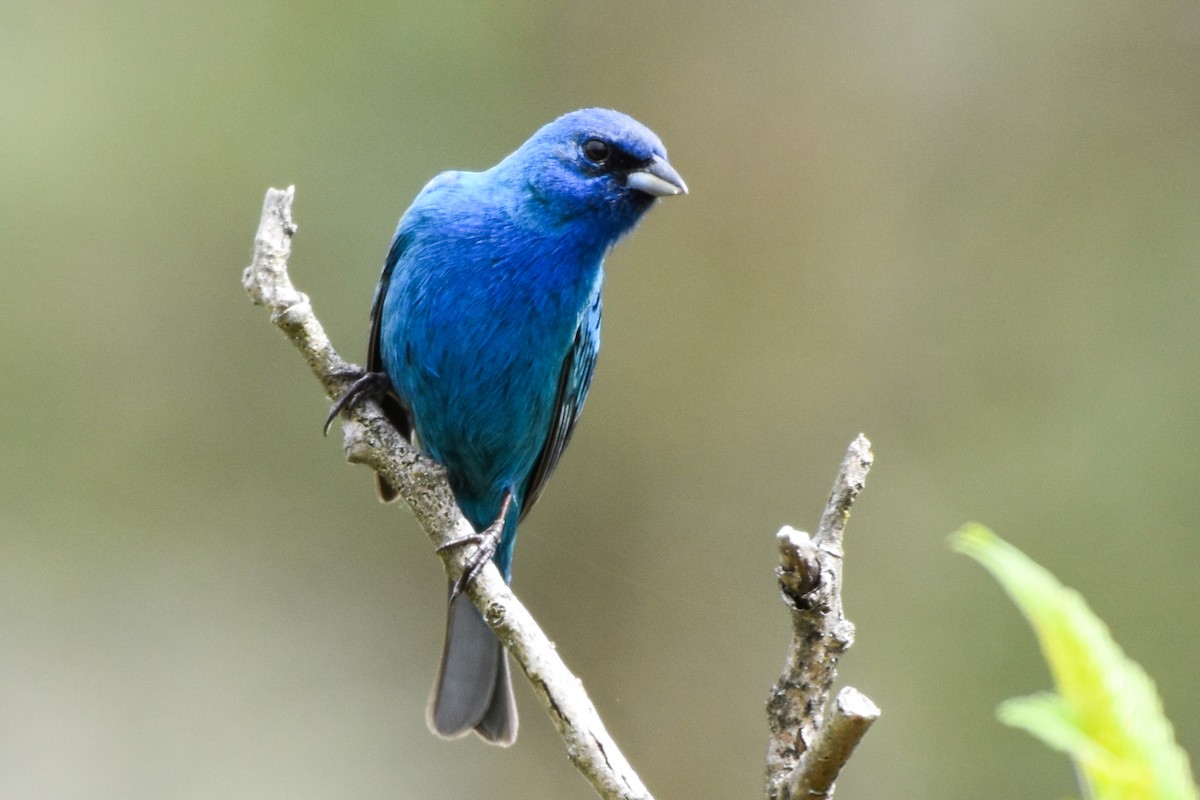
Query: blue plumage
[486, 322]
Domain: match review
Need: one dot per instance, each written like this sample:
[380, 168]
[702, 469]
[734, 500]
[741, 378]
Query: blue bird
[484, 332]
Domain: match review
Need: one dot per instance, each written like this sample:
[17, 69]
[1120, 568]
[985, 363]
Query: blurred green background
[969, 230]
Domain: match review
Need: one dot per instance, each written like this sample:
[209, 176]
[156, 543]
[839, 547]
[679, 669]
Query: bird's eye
[596, 150]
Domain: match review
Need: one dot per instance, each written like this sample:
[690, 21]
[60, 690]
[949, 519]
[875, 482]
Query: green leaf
[1106, 714]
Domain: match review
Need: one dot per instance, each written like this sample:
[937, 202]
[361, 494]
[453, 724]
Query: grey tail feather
[473, 688]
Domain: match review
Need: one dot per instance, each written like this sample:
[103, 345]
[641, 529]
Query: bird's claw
[486, 542]
[485, 547]
[367, 385]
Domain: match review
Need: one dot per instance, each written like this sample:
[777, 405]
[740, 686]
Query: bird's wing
[573, 382]
[428, 197]
[392, 406]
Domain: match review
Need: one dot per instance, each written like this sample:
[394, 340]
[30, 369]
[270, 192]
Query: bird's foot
[485, 543]
[366, 386]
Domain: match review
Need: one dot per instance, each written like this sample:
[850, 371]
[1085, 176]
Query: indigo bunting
[484, 332]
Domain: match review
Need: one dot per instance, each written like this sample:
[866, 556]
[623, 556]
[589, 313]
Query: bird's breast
[474, 339]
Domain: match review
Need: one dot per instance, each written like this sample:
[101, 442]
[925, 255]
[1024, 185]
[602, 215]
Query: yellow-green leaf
[1106, 713]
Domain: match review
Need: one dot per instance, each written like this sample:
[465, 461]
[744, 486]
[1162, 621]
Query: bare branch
[852, 713]
[371, 440]
[805, 753]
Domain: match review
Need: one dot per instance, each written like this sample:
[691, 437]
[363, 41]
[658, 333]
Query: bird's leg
[366, 386]
[486, 542]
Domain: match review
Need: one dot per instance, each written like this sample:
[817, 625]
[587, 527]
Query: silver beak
[659, 179]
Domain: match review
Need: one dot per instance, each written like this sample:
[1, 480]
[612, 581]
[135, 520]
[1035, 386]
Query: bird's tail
[473, 689]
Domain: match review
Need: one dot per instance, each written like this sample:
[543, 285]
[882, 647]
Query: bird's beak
[658, 179]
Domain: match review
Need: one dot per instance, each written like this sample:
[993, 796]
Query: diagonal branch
[806, 752]
[371, 440]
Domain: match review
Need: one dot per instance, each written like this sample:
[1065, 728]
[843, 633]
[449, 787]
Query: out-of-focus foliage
[968, 230]
[1106, 713]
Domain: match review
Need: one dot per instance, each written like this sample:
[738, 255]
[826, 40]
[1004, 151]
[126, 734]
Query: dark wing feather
[573, 383]
[393, 407]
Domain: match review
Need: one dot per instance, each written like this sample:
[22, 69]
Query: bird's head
[596, 167]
